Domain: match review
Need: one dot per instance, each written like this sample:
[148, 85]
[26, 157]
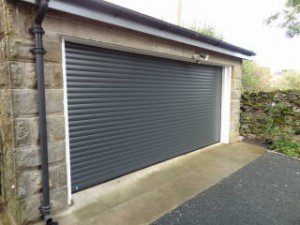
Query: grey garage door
[128, 111]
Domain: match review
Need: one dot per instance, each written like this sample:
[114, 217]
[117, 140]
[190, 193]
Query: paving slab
[266, 191]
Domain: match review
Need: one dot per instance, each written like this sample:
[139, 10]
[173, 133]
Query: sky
[240, 22]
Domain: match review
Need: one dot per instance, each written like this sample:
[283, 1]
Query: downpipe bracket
[51, 222]
[45, 211]
[37, 30]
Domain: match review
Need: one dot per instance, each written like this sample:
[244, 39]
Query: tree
[288, 19]
[256, 77]
[286, 80]
[206, 30]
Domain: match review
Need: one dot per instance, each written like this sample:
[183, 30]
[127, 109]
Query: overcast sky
[240, 22]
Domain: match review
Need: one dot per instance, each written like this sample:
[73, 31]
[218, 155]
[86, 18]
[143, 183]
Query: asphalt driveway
[265, 192]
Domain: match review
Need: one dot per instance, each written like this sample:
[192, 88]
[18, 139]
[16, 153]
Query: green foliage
[255, 77]
[258, 78]
[280, 137]
[287, 147]
[276, 116]
[250, 81]
[272, 118]
[206, 30]
[286, 80]
[288, 19]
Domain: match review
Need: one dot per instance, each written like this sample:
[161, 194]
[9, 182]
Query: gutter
[102, 11]
[39, 51]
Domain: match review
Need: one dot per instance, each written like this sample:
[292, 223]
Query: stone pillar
[236, 85]
[19, 117]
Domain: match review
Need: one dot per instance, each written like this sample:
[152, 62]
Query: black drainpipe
[39, 51]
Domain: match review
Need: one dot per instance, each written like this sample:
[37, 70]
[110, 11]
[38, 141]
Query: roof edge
[119, 16]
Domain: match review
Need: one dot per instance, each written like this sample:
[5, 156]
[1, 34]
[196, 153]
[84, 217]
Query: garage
[128, 111]
[96, 97]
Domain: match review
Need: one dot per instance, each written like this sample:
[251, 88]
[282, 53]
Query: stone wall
[265, 115]
[18, 95]
[19, 118]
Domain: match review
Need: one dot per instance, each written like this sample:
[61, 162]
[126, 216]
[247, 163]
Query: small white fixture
[198, 57]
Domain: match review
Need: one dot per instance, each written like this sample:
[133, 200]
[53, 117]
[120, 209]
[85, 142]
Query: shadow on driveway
[265, 192]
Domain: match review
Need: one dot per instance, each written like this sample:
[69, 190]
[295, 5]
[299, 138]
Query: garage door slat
[109, 162]
[116, 146]
[120, 124]
[118, 133]
[113, 155]
[128, 111]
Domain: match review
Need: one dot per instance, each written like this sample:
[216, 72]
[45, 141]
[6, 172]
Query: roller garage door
[129, 111]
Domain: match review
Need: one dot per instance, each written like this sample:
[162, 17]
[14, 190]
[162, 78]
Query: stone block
[22, 133]
[23, 75]
[235, 126]
[56, 128]
[235, 116]
[54, 101]
[53, 51]
[26, 132]
[59, 198]
[2, 48]
[237, 72]
[235, 105]
[25, 102]
[234, 136]
[53, 75]
[21, 49]
[4, 79]
[235, 94]
[29, 209]
[6, 135]
[23, 20]
[5, 103]
[58, 175]
[57, 151]
[29, 182]
[28, 157]
[236, 84]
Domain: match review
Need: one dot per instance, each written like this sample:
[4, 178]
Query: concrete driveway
[267, 191]
[146, 195]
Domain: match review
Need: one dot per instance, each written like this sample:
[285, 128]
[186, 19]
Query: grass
[287, 147]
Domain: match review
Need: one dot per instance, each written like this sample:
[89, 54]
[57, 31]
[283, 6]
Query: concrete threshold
[144, 196]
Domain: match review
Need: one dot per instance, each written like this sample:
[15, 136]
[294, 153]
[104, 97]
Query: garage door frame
[225, 98]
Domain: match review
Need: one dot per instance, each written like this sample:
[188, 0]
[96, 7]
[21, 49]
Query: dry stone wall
[264, 112]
